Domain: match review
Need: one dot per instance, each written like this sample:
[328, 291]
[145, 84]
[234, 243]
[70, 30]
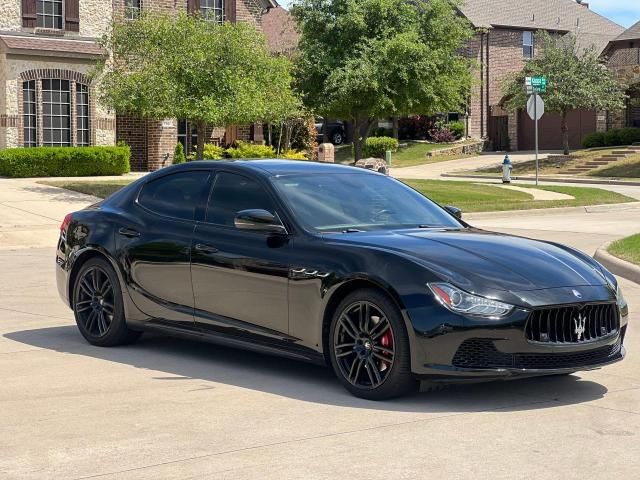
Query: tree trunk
[396, 128]
[362, 130]
[565, 133]
[201, 128]
[270, 133]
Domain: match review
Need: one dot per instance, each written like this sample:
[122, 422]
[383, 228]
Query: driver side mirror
[455, 211]
[259, 221]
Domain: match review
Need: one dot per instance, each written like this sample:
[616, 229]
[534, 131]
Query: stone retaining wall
[462, 149]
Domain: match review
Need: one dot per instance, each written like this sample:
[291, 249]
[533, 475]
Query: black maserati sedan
[334, 265]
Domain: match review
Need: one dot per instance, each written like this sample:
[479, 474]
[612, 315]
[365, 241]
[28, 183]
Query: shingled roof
[554, 15]
[60, 47]
[632, 33]
[280, 30]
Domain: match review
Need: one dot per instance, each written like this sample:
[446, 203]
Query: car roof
[279, 167]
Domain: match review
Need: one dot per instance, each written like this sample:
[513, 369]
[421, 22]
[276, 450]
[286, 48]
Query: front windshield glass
[358, 201]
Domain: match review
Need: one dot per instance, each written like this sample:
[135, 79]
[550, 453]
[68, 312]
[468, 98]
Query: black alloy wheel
[370, 348]
[97, 305]
[337, 138]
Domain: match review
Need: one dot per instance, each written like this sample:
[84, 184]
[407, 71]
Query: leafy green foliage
[178, 154]
[165, 66]
[457, 128]
[64, 161]
[249, 150]
[364, 59]
[294, 155]
[577, 80]
[212, 152]
[377, 146]
[612, 138]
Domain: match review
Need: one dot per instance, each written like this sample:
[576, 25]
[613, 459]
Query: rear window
[175, 195]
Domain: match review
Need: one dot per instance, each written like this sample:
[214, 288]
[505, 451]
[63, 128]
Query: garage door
[581, 123]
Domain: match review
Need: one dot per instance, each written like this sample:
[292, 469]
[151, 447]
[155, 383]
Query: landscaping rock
[462, 149]
[375, 164]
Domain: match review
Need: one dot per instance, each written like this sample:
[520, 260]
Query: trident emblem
[580, 325]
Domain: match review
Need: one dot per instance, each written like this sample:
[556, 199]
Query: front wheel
[369, 347]
[337, 138]
[97, 305]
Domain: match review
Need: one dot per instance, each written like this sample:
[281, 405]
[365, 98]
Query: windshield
[359, 201]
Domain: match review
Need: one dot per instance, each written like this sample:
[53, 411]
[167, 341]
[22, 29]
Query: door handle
[128, 232]
[200, 247]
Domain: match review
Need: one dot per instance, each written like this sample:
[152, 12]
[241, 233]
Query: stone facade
[32, 53]
[624, 61]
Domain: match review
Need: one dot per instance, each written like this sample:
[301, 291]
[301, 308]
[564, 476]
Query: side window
[527, 44]
[233, 193]
[174, 195]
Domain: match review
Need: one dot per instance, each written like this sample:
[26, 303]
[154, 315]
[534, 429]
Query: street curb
[548, 179]
[616, 265]
[545, 211]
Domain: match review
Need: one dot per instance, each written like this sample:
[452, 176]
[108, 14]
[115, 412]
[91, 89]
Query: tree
[364, 59]
[185, 67]
[578, 79]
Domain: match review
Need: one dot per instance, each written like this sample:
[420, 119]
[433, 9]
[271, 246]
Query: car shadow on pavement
[183, 359]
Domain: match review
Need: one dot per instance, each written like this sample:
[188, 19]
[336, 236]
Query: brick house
[47, 47]
[504, 40]
[623, 54]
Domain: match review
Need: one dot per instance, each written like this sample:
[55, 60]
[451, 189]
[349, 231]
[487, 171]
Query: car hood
[482, 262]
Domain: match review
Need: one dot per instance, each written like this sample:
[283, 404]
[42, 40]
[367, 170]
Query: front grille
[482, 353]
[573, 324]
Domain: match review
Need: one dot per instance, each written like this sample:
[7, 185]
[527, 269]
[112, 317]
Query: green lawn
[413, 154]
[627, 249]
[100, 189]
[472, 197]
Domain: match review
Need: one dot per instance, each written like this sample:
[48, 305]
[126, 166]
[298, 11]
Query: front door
[155, 245]
[240, 278]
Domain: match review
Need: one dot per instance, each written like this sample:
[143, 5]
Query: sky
[624, 12]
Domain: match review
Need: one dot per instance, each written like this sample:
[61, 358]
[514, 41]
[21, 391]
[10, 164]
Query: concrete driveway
[168, 408]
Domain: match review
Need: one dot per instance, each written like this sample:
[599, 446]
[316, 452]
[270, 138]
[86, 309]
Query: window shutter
[29, 13]
[193, 6]
[72, 15]
[230, 10]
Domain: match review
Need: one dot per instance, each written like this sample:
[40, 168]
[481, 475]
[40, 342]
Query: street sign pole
[535, 114]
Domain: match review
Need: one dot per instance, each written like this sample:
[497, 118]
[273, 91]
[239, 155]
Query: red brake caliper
[387, 342]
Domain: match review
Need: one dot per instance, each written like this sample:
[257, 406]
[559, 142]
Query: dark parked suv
[335, 131]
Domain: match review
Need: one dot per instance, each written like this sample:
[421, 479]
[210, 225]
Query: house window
[82, 115]
[56, 113]
[132, 9]
[187, 136]
[29, 112]
[49, 14]
[527, 44]
[212, 10]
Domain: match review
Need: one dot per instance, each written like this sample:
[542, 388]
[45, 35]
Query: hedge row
[64, 161]
[377, 146]
[612, 138]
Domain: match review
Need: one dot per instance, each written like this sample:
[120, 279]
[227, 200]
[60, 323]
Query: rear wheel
[97, 305]
[337, 138]
[369, 347]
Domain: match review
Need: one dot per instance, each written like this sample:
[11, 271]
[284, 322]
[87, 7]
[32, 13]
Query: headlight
[459, 301]
[619, 297]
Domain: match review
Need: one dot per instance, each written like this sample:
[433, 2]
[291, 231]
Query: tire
[98, 306]
[337, 137]
[377, 339]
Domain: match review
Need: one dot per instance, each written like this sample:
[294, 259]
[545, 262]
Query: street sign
[535, 107]
[536, 84]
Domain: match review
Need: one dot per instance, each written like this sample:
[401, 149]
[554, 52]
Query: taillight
[65, 224]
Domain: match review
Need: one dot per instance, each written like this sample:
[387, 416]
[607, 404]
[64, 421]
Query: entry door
[240, 278]
[156, 246]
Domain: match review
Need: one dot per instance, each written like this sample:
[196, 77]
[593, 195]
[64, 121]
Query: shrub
[178, 154]
[212, 152]
[457, 128]
[294, 155]
[440, 133]
[249, 150]
[64, 161]
[382, 132]
[377, 146]
[629, 135]
[612, 137]
[594, 140]
[416, 127]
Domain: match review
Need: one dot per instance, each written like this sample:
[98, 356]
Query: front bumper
[456, 350]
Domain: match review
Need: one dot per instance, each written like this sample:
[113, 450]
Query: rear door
[156, 245]
[240, 278]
